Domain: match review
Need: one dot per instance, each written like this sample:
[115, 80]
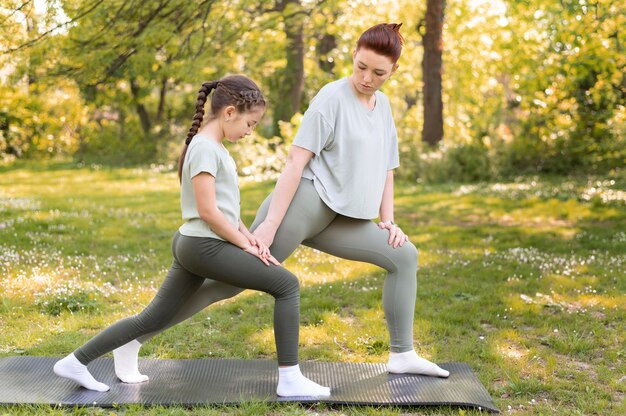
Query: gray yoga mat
[228, 381]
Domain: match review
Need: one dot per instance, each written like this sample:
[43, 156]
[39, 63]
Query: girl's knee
[289, 285]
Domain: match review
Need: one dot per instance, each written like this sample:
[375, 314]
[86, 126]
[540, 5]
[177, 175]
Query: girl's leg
[362, 240]
[306, 216]
[230, 264]
[126, 357]
[177, 287]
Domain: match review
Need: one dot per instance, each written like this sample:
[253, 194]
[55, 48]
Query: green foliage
[38, 121]
[536, 86]
[67, 298]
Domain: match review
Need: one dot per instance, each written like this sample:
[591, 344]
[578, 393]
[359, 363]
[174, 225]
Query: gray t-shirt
[354, 148]
[205, 155]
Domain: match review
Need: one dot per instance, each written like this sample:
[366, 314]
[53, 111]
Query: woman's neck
[368, 100]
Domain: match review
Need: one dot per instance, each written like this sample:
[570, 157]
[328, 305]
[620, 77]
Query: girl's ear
[229, 112]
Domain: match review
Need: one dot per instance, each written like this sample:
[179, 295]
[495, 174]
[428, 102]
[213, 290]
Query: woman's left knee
[407, 256]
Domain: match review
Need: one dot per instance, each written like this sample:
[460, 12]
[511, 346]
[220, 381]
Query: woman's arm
[386, 206]
[283, 193]
[396, 236]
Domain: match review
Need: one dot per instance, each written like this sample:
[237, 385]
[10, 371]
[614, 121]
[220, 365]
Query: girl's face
[239, 125]
[371, 70]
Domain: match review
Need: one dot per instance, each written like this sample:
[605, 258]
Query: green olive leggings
[196, 260]
[310, 222]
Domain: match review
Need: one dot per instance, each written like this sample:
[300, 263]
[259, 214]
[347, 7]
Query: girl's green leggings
[199, 260]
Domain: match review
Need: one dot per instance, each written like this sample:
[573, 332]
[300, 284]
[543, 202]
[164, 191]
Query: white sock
[291, 383]
[410, 362]
[70, 367]
[126, 359]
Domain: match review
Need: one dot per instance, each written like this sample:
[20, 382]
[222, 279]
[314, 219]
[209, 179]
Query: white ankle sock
[70, 367]
[126, 360]
[410, 362]
[291, 383]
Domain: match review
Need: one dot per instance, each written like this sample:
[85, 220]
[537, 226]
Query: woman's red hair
[384, 39]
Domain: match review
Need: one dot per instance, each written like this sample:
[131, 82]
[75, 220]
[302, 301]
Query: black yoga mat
[227, 381]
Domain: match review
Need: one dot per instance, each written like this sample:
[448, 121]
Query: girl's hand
[264, 251]
[266, 233]
[396, 235]
[266, 259]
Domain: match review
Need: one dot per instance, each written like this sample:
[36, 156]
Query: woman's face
[240, 125]
[371, 70]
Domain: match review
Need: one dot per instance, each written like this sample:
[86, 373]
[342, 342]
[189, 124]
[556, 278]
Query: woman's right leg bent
[306, 216]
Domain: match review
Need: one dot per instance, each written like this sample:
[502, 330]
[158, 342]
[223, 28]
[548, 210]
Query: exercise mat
[230, 381]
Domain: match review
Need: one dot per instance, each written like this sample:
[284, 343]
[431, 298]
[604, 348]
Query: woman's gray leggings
[200, 259]
[310, 222]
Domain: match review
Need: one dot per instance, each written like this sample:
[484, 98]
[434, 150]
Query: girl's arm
[204, 190]
[283, 193]
[244, 230]
[396, 236]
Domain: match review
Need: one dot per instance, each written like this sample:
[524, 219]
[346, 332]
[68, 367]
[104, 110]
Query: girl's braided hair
[236, 90]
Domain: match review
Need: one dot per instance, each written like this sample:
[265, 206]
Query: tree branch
[32, 42]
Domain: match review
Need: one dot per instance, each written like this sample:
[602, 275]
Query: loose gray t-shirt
[354, 148]
[205, 155]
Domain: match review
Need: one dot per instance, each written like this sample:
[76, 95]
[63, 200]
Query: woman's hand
[262, 252]
[265, 232]
[396, 235]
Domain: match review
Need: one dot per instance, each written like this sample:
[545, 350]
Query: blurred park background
[485, 89]
[512, 124]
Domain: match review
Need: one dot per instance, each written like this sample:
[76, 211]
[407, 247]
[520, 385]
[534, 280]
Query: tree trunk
[432, 68]
[291, 85]
[144, 117]
[162, 94]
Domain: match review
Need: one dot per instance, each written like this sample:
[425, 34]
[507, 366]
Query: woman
[338, 176]
[213, 243]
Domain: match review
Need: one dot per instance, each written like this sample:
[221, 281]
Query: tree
[432, 40]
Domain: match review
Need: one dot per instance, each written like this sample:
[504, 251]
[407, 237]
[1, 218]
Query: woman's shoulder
[329, 96]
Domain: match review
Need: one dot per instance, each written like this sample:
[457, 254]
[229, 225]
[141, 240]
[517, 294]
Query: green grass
[523, 280]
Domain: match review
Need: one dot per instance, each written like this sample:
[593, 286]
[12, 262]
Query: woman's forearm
[386, 205]
[287, 185]
[282, 195]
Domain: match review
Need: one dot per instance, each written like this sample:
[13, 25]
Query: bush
[67, 298]
[461, 163]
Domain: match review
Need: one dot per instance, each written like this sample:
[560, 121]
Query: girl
[338, 176]
[213, 243]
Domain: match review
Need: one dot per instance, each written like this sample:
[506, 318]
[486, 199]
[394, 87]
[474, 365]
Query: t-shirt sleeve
[314, 133]
[203, 158]
[393, 157]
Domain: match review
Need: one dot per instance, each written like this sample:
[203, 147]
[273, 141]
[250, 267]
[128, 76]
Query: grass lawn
[524, 280]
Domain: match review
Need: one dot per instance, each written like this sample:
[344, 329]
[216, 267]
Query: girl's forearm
[222, 227]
